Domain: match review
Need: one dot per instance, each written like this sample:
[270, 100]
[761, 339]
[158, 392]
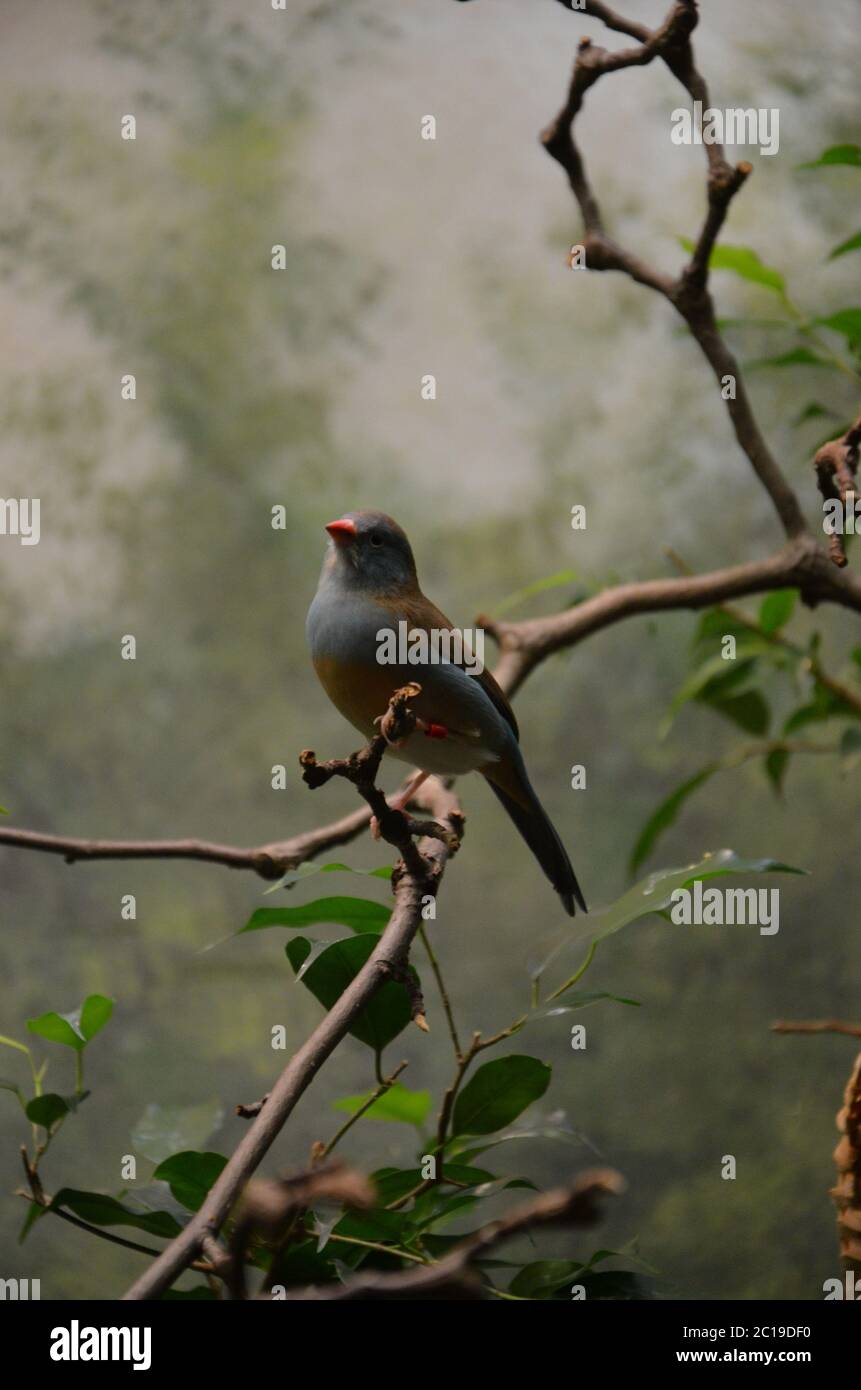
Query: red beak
[342, 531]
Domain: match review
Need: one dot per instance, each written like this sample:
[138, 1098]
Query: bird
[368, 587]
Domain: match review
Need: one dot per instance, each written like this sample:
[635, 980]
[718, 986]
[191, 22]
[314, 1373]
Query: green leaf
[359, 914]
[374, 1225]
[666, 815]
[310, 869]
[499, 1092]
[74, 1029]
[384, 1017]
[581, 999]
[35, 1212]
[101, 1210]
[57, 1028]
[551, 1127]
[744, 262]
[747, 322]
[46, 1110]
[190, 1175]
[541, 586]
[812, 411]
[776, 763]
[715, 624]
[651, 895]
[156, 1196]
[544, 1277]
[95, 1013]
[398, 1103]
[853, 244]
[845, 321]
[716, 680]
[439, 1204]
[438, 1207]
[393, 1183]
[812, 713]
[163, 1130]
[776, 609]
[796, 357]
[824, 705]
[301, 1264]
[618, 1285]
[317, 949]
[749, 711]
[850, 750]
[836, 154]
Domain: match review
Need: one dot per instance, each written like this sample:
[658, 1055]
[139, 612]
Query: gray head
[368, 550]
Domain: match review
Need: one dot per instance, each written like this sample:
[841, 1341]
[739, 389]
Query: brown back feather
[422, 614]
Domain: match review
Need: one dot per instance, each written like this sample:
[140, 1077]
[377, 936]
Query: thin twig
[384, 1086]
[269, 861]
[827, 1025]
[443, 993]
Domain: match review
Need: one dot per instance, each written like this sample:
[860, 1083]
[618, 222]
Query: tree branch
[688, 293]
[576, 1205]
[523, 646]
[846, 1193]
[416, 876]
[269, 861]
[825, 1025]
[802, 564]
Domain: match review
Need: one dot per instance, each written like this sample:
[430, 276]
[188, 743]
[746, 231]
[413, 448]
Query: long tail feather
[540, 834]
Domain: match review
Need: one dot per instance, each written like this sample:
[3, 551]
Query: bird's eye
[376, 539]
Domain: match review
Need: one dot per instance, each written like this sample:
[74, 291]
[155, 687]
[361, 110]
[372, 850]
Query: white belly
[447, 757]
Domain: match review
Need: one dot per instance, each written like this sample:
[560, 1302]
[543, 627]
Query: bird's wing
[422, 614]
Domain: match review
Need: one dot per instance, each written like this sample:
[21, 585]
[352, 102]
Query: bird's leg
[402, 801]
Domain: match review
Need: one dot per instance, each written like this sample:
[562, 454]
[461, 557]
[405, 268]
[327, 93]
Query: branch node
[836, 465]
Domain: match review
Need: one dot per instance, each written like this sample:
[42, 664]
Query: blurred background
[302, 388]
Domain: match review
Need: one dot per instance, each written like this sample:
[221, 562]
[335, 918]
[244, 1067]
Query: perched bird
[368, 587]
